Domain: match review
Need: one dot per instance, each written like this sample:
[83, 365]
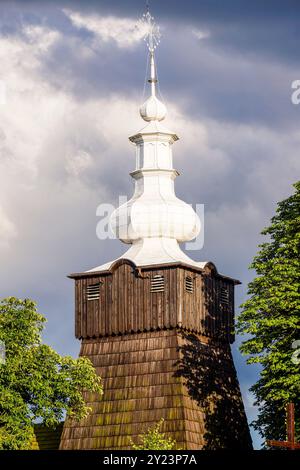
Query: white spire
[153, 109]
[154, 220]
[152, 37]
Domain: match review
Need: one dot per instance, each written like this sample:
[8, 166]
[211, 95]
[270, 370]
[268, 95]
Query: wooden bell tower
[160, 339]
[157, 325]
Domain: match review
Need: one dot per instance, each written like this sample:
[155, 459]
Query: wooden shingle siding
[127, 303]
[161, 353]
[46, 438]
[142, 385]
[140, 388]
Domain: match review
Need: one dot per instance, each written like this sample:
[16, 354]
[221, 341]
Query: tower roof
[154, 221]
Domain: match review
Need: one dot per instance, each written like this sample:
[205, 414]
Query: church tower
[156, 324]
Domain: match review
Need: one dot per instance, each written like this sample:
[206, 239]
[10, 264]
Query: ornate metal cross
[152, 32]
[290, 443]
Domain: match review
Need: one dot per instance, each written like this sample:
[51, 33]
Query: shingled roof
[46, 438]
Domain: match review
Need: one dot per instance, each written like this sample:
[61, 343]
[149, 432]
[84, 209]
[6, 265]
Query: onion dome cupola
[154, 220]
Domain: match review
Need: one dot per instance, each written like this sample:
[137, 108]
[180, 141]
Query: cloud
[29, 107]
[7, 230]
[40, 37]
[124, 32]
[69, 108]
[78, 162]
[201, 34]
[62, 153]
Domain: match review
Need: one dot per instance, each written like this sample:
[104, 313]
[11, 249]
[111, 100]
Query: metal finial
[152, 33]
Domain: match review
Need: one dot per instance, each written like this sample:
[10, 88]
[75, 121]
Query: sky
[71, 81]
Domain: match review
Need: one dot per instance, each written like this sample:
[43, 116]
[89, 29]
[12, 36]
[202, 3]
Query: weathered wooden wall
[126, 303]
[160, 355]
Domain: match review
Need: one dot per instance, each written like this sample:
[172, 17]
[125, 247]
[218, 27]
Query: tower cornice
[154, 172]
[160, 135]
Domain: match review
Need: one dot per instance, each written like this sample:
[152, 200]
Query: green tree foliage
[36, 383]
[153, 439]
[271, 319]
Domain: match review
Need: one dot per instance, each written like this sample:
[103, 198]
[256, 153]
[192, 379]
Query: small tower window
[224, 295]
[157, 283]
[93, 291]
[189, 284]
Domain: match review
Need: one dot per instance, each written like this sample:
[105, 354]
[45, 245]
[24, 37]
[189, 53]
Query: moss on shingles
[46, 438]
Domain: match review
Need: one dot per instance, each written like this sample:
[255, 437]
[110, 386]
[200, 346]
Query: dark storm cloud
[234, 73]
[238, 152]
[264, 27]
[269, 28]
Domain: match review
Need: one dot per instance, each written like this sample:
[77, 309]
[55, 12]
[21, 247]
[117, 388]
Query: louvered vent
[93, 291]
[157, 284]
[224, 295]
[189, 284]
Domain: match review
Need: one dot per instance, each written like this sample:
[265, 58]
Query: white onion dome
[156, 218]
[153, 110]
[154, 221]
